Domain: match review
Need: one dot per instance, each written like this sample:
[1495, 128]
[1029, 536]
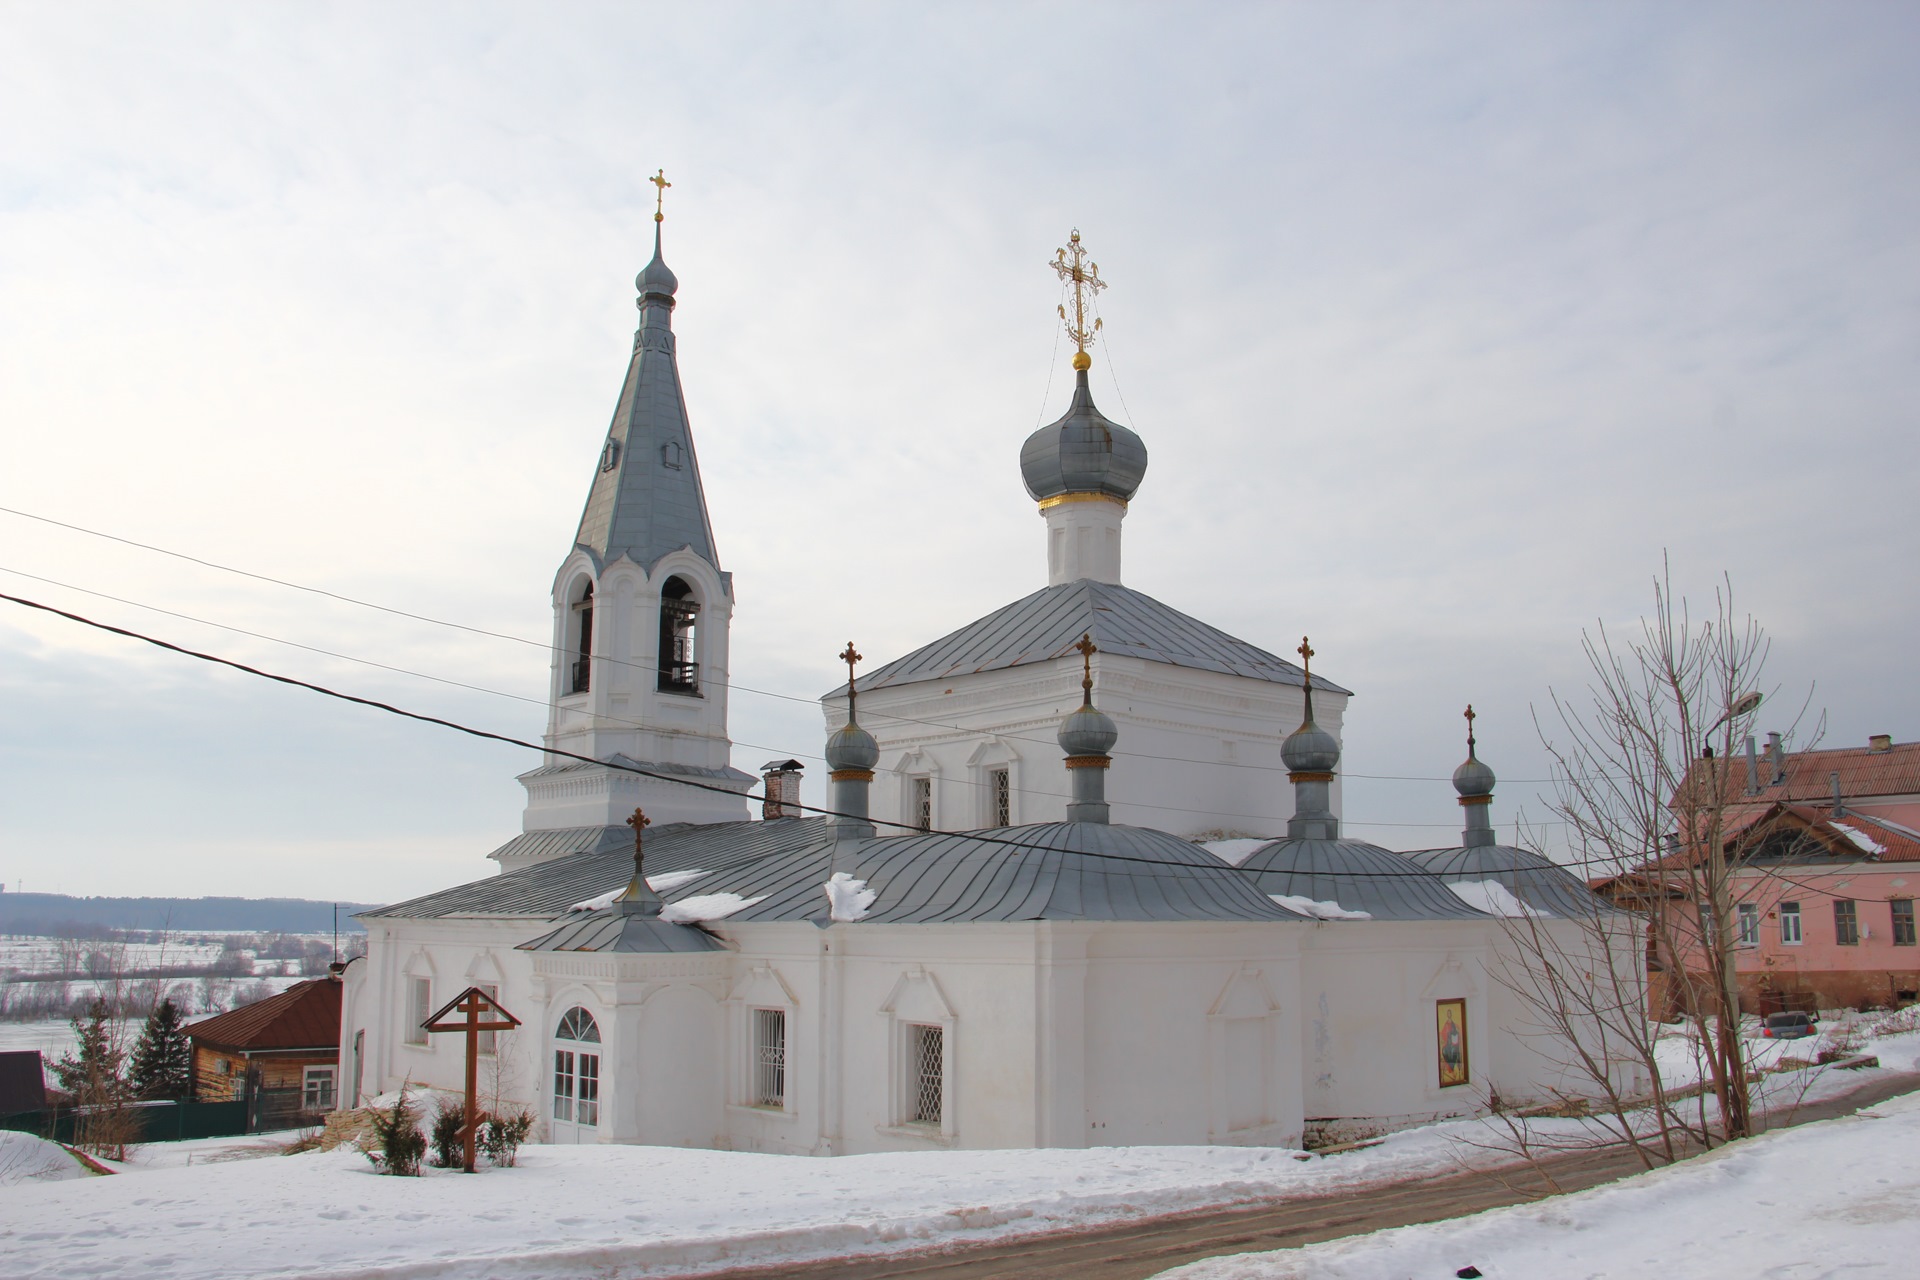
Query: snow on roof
[1861, 840]
[1491, 897]
[1317, 909]
[708, 906]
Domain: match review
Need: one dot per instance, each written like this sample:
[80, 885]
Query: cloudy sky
[1442, 324]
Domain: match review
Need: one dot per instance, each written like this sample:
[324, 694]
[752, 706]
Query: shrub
[397, 1141]
[501, 1136]
[449, 1119]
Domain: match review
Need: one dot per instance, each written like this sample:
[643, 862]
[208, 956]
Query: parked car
[1787, 1026]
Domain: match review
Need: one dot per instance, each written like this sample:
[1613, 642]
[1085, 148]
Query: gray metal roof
[1045, 626]
[611, 929]
[1052, 871]
[1084, 451]
[1537, 881]
[1358, 876]
[646, 498]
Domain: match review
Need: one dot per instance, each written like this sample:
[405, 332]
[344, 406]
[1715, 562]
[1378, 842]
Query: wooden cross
[659, 180]
[850, 655]
[1087, 649]
[472, 1002]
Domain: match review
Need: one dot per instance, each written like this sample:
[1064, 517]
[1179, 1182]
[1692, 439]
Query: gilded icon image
[1450, 1031]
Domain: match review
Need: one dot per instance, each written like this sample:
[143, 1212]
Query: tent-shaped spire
[646, 498]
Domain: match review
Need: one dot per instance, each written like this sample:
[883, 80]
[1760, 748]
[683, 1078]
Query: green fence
[158, 1121]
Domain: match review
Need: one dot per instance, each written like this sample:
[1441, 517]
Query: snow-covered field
[232, 1208]
[1838, 1198]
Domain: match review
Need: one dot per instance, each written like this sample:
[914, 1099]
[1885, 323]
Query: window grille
[1846, 923]
[1748, 919]
[317, 1089]
[1790, 923]
[563, 1084]
[420, 1010]
[923, 803]
[926, 1073]
[1902, 921]
[770, 1057]
[589, 1088]
[1000, 791]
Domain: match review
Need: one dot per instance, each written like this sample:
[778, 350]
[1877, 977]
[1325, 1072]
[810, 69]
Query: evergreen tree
[94, 1073]
[163, 1058]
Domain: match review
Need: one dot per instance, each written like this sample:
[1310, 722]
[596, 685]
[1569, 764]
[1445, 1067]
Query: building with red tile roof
[283, 1049]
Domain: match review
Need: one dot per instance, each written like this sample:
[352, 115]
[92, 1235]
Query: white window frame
[1746, 919]
[329, 1096]
[917, 1001]
[419, 1009]
[769, 1086]
[1791, 937]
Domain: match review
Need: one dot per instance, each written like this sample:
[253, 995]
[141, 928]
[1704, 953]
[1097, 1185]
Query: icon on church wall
[1450, 1040]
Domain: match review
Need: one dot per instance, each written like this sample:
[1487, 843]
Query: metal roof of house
[1052, 871]
[1358, 876]
[1864, 773]
[304, 1016]
[1536, 880]
[1046, 625]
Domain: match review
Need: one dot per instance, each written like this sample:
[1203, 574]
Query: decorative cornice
[1467, 800]
[851, 775]
[1059, 499]
[1309, 776]
[1089, 762]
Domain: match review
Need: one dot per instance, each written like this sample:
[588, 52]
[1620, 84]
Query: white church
[1003, 933]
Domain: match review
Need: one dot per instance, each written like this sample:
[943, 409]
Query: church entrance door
[576, 1079]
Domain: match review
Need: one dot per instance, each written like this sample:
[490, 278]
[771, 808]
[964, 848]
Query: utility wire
[488, 735]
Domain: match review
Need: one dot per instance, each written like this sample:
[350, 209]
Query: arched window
[679, 639]
[580, 661]
[576, 1077]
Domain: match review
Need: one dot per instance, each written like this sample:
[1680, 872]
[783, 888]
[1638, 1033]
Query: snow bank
[1832, 1198]
[1317, 909]
[1491, 897]
[712, 906]
[847, 898]
[25, 1158]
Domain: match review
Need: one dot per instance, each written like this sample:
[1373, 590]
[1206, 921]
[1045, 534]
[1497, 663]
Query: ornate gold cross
[1071, 265]
[1087, 649]
[659, 180]
[850, 655]
[1471, 717]
[639, 821]
[1306, 656]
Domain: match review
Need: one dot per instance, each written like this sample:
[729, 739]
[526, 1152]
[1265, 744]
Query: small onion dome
[1473, 778]
[1084, 452]
[852, 747]
[1310, 749]
[654, 278]
[1088, 732]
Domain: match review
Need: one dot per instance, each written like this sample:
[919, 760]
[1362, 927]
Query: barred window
[1000, 797]
[922, 816]
[770, 1057]
[926, 1077]
[419, 1009]
[1846, 923]
[1902, 921]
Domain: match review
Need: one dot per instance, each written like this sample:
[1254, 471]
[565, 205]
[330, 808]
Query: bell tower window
[679, 638]
[580, 657]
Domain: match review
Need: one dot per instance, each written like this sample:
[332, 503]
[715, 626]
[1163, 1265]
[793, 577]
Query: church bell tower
[641, 610]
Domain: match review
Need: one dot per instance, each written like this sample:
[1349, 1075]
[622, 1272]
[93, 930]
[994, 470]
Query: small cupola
[1087, 736]
[1474, 781]
[1311, 755]
[851, 754]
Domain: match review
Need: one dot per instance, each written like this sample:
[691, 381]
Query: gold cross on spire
[1071, 265]
[1306, 656]
[850, 655]
[639, 821]
[1471, 717]
[1087, 649]
[659, 180]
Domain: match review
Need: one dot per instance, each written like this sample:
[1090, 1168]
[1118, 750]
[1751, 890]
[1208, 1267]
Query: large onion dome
[1084, 452]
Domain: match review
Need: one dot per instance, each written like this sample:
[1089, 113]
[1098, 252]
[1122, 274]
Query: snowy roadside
[1837, 1196]
[649, 1211]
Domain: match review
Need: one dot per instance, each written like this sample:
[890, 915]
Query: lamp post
[1734, 1103]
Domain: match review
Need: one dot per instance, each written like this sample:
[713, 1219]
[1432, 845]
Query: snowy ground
[231, 1207]
[1837, 1198]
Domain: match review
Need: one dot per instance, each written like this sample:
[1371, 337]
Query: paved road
[1140, 1249]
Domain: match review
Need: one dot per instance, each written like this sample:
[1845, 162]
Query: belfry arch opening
[679, 638]
[579, 673]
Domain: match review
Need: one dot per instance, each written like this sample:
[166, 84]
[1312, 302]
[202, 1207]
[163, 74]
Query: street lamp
[1745, 704]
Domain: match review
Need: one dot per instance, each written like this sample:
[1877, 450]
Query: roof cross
[1306, 670]
[659, 180]
[850, 655]
[1471, 717]
[1086, 281]
[1087, 649]
[637, 887]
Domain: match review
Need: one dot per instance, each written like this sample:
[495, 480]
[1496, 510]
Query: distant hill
[51, 912]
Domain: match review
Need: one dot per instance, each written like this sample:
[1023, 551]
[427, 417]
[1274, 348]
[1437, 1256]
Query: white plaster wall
[1198, 751]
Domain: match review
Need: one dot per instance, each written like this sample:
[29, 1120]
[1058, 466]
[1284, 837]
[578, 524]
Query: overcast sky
[1441, 324]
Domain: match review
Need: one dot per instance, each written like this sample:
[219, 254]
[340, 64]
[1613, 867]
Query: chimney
[1777, 759]
[1753, 768]
[1839, 805]
[1880, 742]
[782, 779]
